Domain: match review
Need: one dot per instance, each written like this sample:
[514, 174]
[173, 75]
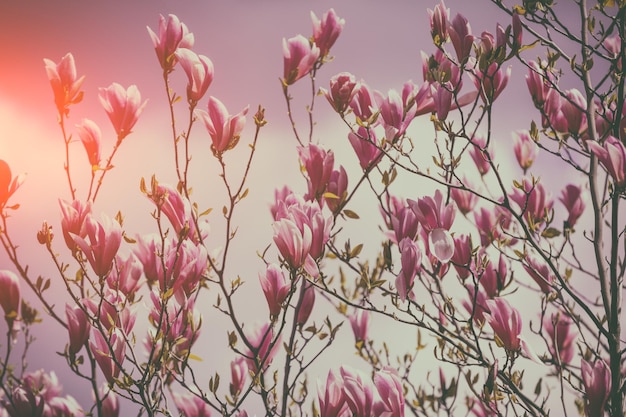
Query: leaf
[195, 357]
[550, 232]
[351, 214]
[356, 250]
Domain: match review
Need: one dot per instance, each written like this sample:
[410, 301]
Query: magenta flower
[8, 184]
[261, 338]
[123, 106]
[541, 274]
[199, 70]
[326, 31]
[359, 321]
[403, 222]
[225, 129]
[177, 209]
[78, 327]
[525, 149]
[109, 359]
[10, 296]
[390, 389]
[433, 213]
[293, 243]
[494, 279]
[113, 312]
[24, 402]
[573, 107]
[597, 382]
[65, 85]
[238, 376]
[275, 287]
[110, 402]
[481, 155]
[90, 135]
[411, 260]
[612, 156]
[338, 187]
[358, 392]
[299, 57]
[506, 324]
[442, 98]
[462, 256]
[561, 335]
[126, 276]
[439, 23]
[461, 36]
[73, 221]
[318, 164]
[491, 82]
[573, 199]
[333, 400]
[173, 34]
[465, 199]
[395, 113]
[363, 104]
[343, 87]
[190, 405]
[306, 304]
[533, 200]
[539, 81]
[365, 145]
[104, 239]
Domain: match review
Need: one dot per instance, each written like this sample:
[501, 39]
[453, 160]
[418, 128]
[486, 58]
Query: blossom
[362, 103]
[199, 70]
[225, 129]
[104, 239]
[173, 34]
[439, 22]
[366, 147]
[462, 256]
[326, 31]
[238, 373]
[538, 81]
[597, 382]
[493, 278]
[492, 81]
[109, 359]
[261, 338]
[73, 216]
[123, 106]
[432, 213]
[573, 199]
[441, 244]
[481, 154]
[110, 402]
[333, 399]
[65, 85]
[299, 57]
[506, 323]
[190, 405]
[464, 198]
[525, 149]
[126, 275]
[294, 243]
[612, 156]
[391, 393]
[343, 87]
[275, 287]
[8, 184]
[461, 36]
[561, 335]
[307, 301]
[541, 274]
[90, 135]
[24, 402]
[358, 392]
[359, 321]
[9, 296]
[533, 200]
[78, 327]
[318, 164]
[338, 187]
[411, 260]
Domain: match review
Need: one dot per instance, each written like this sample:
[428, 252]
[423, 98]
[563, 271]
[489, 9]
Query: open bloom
[299, 56]
[612, 155]
[9, 296]
[73, 217]
[365, 145]
[90, 135]
[597, 382]
[326, 31]
[390, 389]
[439, 18]
[238, 376]
[533, 200]
[506, 323]
[123, 106]
[199, 70]
[65, 85]
[225, 129]
[8, 184]
[100, 244]
[343, 87]
[332, 400]
[190, 405]
[358, 391]
[432, 212]
[525, 149]
[173, 34]
[109, 360]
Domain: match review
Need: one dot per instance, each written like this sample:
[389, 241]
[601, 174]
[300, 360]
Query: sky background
[381, 44]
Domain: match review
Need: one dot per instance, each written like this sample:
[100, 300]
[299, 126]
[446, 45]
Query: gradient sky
[381, 43]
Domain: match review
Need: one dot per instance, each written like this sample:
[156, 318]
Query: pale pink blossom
[525, 149]
[123, 106]
[573, 199]
[391, 393]
[10, 296]
[358, 392]
[293, 242]
[539, 82]
[597, 382]
[441, 244]
[299, 57]
[491, 82]
[126, 275]
[411, 261]
[101, 243]
[612, 156]
[533, 200]
[110, 402]
[307, 302]
[73, 217]
[326, 31]
[359, 321]
[64, 82]
[366, 147]
[432, 212]
[173, 34]
[561, 334]
[8, 183]
[112, 312]
[261, 338]
[78, 327]
[24, 402]
[363, 103]
[199, 70]
[275, 287]
[190, 405]
[318, 164]
[90, 135]
[343, 87]
[238, 376]
[461, 36]
[506, 323]
[438, 18]
[109, 359]
[225, 129]
[332, 401]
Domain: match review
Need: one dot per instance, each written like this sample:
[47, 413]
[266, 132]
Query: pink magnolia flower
[261, 338]
[63, 406]
[441, 244]
[506, 323]
[333, 399]
[358, 392]
[238, 376]
[573, 199]
[539, 82]
[199, 70]
[275, 287]
[363, 104]
[78, 327]
[395, 113]
[491, 82]
[299, 57]
[73, 221]
[481, 154]
[402, 222]
[190, 405]
[359, 321]
[24, 402]
[173, 34]
[112, 312]
[109, 359]
[293, 242]
[461, 36]
[343, 87]
[573, 107]
[10, 296]
[65, 85]
[411, 260]
[90, 135]
[597, 382]
[517, 34]
[326, 31]
[462, 256]
[318, 164]
[177, 209]
[110, 402]
[225, 129]
[476, 304]
[494, 278]
[126, 275]
[525, 149]
[306, 304]
[533, 200]
[612, 156]
[439, 22]
[123, 106]
[465, 199]
[8, 183]
[432, 213]
[561, 335]
[338, 187]
[541, 274]
[366, 147]
[390, 390]
[101, 243]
